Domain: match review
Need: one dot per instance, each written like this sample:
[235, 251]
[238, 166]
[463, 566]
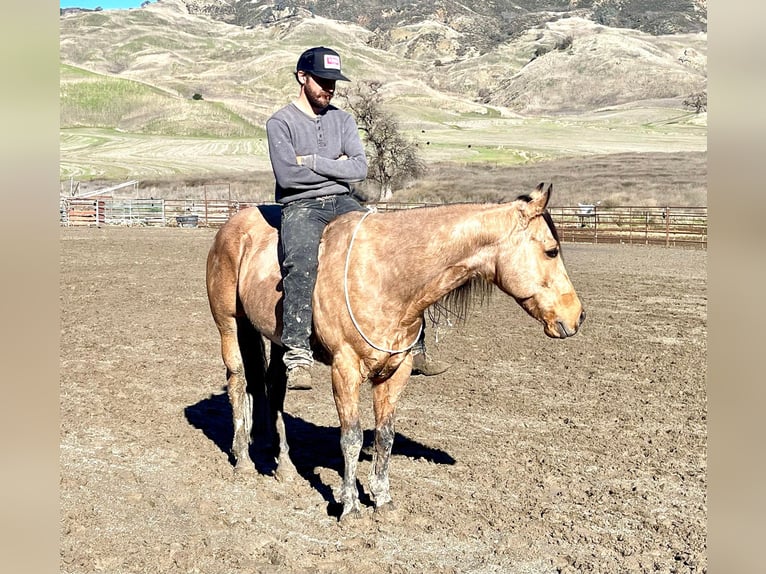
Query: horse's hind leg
[242, 347]
[243, 353]
[385, 396]
[257, 413]
[276, 380]
[241, 402]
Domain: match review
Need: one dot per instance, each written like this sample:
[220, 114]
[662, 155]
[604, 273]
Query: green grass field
[103, 102]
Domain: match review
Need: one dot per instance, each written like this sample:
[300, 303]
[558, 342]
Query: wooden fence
[668, 226]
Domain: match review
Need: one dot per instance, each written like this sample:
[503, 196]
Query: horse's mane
[454, 306]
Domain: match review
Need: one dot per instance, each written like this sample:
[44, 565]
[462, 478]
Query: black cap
[321, 62]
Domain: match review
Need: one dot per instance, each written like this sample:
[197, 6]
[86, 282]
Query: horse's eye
[552, 253]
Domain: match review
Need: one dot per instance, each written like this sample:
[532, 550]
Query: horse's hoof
[285, 474]
[244, 470]
[387, 512]
[385, 507]
[351, 515]
[286, 471]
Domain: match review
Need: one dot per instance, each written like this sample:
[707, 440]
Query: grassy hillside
[88, 99]
[562, 89]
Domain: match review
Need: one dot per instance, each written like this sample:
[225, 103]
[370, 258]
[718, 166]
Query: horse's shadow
[311, 446]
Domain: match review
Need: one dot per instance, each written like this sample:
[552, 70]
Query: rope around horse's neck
[348, 302]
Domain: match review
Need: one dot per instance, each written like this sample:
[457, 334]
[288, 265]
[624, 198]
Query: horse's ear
[538, 201]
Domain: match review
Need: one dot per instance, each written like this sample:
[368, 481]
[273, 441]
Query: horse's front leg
[346, 381]
[385, 395]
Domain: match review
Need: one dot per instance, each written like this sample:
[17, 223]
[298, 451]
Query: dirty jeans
[303, 222]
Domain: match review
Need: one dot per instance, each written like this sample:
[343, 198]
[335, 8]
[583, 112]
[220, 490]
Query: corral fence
[668, 226]
[98, 211]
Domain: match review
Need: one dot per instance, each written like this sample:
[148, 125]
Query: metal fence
[97, 211]
[669, 226]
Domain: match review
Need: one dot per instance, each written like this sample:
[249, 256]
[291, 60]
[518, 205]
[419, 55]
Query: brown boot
[422, 364]
[299, 378]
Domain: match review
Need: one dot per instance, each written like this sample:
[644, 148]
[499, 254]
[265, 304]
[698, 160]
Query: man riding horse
[316, 155]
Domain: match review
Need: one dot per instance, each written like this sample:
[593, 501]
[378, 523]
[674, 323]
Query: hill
[185, 86]
[480, 25]
[550, 60]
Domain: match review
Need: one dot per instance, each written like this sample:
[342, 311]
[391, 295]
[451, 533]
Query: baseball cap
[322, 62]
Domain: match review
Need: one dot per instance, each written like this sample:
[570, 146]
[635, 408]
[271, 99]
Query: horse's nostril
[582, 317]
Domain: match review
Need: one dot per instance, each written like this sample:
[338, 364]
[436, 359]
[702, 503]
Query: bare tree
[697, 102]
[393, 159]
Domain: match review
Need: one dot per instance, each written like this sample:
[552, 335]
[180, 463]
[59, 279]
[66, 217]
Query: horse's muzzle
[564, 331]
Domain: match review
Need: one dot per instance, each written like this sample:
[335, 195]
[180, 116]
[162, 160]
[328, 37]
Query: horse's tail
[253, 350]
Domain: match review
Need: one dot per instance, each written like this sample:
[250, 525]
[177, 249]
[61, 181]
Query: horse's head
[529, 267]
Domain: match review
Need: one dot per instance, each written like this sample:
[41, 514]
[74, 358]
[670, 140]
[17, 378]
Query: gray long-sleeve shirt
[320, 142]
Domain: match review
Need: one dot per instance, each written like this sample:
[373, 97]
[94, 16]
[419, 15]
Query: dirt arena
[528, 456]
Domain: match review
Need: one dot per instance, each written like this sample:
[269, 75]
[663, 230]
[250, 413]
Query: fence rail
[669, 226]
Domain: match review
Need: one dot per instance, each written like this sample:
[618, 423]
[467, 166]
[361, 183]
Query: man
[316, 155]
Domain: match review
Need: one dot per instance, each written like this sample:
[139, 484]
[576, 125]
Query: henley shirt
[319, 141]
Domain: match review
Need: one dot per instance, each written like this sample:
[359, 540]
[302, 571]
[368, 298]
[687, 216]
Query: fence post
[595, 223]
[205, 192]
[667, 226]
[646, 227]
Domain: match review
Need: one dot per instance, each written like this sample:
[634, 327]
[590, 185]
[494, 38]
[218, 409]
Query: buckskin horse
[378, 273]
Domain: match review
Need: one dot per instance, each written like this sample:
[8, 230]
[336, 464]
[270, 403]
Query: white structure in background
[78, 209]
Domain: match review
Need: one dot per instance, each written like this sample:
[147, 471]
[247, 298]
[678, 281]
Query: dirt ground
[528, 456]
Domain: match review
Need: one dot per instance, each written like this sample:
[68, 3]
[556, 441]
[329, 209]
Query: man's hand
[308, 160]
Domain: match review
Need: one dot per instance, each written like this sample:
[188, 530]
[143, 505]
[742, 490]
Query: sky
[105, 4]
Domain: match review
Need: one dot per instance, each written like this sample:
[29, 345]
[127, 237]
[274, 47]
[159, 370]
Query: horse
[378, 272]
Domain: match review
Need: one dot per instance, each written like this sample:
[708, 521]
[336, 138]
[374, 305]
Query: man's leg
[300, 234]
[345, 204]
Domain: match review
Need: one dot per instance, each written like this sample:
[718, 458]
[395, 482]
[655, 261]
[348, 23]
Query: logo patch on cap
[331, 61]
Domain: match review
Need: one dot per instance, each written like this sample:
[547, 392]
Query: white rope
[348, 302]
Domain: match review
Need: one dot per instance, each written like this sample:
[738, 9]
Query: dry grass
[256, 186]
[639, 179]
[614, 179]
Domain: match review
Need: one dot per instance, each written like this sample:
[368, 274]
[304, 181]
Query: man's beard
[317, 97]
